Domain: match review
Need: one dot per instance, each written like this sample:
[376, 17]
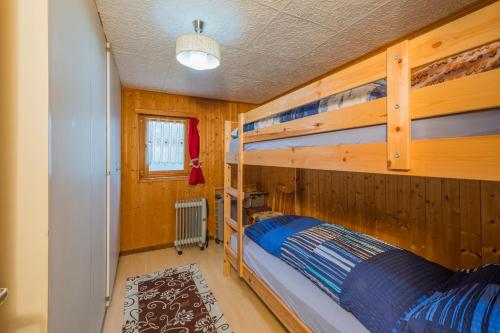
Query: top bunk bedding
[475, 61]
[425, 106]
[468, 124]
[479, 123]
[386, 288]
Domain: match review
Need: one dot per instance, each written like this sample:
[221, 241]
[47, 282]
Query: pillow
[468, 302]
[379, 290]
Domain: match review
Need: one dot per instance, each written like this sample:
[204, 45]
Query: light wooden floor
[244, 311]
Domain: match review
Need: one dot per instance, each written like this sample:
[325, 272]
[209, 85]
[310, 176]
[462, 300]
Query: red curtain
[196, 176]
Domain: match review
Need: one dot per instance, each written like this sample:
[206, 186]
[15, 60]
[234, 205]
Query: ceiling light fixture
[197, 51]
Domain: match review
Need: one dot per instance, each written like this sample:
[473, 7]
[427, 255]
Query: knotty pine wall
[452, 222]
[266, 178]
[147, 208]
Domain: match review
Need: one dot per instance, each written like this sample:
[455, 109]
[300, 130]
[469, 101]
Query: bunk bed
[426, 106]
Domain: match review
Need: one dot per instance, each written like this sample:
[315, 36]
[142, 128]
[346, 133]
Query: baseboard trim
[146, 249]
[152, 248]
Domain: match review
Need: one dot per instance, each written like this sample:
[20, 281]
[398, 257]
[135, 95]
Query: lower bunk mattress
[338, 280]
[314, 307]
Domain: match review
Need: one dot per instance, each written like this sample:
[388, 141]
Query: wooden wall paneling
[314, 188]
[391, 229]
[325, 198]
[266, 179]
[444, 220]
[433, 218]
[403, 211]
[380, 205]
[370, 209]
[490, 221]
[343, 199]
[350, 218]
[322, 196]
[298, 192]
[331, 192]
[359, 203]
[307, 190]
[470, 224]
[450, 237]
[147, 208]
[310, 189]
[301, 200]
[335, 191]
[315, 193]
[311, 195]
[418, 226]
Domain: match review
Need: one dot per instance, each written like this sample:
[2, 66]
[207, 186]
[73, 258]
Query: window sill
[149, 179]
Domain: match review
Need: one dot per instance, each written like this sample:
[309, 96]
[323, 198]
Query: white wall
[24, 143]
[77, 269]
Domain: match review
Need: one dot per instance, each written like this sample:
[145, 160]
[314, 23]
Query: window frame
[144, 173]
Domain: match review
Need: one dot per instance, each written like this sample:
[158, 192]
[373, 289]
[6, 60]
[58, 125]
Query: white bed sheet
[315, 308]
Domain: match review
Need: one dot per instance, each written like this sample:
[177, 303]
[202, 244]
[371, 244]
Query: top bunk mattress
[479, 123]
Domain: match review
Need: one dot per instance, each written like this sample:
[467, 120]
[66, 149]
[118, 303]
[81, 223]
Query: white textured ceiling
[268, 46]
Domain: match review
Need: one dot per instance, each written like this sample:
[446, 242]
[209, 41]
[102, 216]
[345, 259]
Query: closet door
[114, 172]
[77, 237]
[97, 54]
[70, 171]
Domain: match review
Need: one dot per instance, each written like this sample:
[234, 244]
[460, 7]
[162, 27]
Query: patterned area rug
[176, 300]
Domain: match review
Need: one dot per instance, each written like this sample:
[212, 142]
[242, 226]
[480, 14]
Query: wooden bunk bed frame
[476, 157]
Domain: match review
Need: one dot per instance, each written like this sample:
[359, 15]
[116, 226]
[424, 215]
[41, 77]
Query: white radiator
[191, 223]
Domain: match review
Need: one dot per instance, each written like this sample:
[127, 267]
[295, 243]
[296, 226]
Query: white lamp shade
[197, 51]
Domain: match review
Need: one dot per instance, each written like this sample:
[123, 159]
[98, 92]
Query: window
[164, 142]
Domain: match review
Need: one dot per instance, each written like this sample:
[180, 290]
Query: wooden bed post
[241, 193]
[398, 108]
[227, 197]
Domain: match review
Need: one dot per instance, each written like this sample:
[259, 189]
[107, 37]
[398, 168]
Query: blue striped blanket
[324, 253]
[386, 288]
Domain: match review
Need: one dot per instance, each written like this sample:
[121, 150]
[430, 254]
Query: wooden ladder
[231, 226]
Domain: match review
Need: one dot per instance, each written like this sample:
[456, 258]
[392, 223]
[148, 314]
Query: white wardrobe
[84, 168]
